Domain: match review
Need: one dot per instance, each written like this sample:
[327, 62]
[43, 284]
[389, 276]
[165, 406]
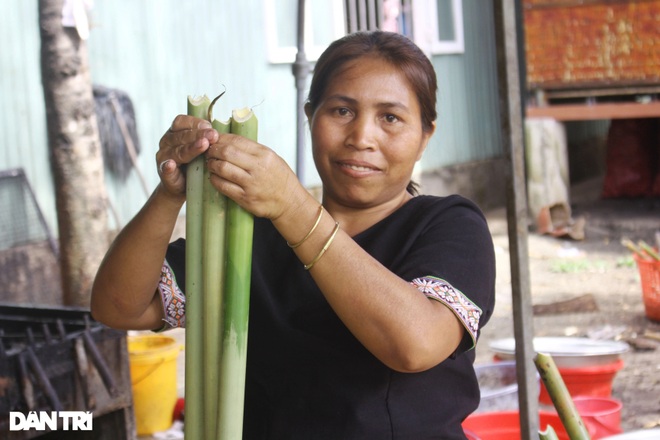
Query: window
[397, 16]
[324, 23]
[438, 26]
[435, 25]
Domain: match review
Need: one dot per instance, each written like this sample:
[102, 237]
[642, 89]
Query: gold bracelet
[316, 223]
[325, 248]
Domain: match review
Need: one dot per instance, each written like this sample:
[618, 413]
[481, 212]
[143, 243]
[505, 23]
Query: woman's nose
[362, 134]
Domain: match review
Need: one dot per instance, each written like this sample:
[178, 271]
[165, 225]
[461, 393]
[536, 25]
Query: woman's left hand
[254, 176]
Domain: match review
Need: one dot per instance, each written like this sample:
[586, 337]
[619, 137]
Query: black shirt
[309, 378]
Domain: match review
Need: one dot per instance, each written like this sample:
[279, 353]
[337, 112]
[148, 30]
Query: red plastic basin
[601, 414]
[594, 381]
[505, 425]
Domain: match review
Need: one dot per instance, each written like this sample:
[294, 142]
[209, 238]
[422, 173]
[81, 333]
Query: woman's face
[367, 135]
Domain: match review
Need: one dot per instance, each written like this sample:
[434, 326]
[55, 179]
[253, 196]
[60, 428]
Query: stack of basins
[587, 367]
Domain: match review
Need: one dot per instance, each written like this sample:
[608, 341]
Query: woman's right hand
[187, 138]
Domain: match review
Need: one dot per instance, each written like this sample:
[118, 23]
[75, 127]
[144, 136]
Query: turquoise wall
[468, 102]
[160, 51]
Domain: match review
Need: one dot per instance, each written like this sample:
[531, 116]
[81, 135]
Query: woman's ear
[425, 139]
[308, 111]
[430, 132]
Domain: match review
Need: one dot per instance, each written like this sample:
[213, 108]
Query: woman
[364, 310]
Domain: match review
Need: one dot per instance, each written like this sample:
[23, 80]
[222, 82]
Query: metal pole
[512, 123]
[301, 69]
[351, 16]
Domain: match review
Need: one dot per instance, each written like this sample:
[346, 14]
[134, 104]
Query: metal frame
[19, 173]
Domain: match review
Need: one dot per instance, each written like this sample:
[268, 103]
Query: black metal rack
[60, 359]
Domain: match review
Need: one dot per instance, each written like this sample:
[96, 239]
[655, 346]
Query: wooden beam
[597, 91]
[586, 112]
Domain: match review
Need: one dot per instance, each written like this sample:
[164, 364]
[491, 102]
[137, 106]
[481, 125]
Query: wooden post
[507, 33]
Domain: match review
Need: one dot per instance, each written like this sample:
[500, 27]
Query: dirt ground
[563, 269]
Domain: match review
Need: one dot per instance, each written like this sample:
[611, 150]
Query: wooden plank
[587, 112]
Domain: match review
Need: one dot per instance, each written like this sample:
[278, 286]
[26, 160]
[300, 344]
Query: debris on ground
[581, 304]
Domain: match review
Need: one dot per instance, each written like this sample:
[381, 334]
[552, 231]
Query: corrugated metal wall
[23, 124]
[468, 102]
[159, 51]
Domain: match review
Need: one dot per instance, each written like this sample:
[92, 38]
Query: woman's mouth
[359, 168]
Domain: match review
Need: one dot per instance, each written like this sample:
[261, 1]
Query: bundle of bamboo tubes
[218, 269]
[641, 249]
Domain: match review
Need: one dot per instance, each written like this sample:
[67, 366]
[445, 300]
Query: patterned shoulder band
[174, 301]
[440, 290]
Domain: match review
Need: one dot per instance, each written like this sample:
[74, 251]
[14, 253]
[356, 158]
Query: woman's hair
[394, 48]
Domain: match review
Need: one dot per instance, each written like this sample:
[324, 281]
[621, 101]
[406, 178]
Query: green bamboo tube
[548, 434]
[240, 225]
[649, 250]
[194, 381]
[561, 398]
[213, 269]
[634, 249]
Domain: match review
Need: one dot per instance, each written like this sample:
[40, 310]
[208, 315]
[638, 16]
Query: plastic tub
[505, 425]
[641, 434]
[601, 414]
[595, 381]
[649, 274]
[567, 352]
[498, 386]
[470, 435]
[152, 360]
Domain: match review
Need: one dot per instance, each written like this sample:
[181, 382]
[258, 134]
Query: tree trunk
[76, 156]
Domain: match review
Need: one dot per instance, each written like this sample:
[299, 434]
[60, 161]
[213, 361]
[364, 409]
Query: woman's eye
[391, 118]
[342, 111]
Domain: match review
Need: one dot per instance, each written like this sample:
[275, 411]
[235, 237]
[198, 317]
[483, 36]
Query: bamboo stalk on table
[240, 224]
[561, 398]
[194, 381]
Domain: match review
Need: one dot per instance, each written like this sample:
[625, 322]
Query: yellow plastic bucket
[152, 360]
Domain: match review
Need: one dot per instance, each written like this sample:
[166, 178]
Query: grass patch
[577, 266]
[628, 262]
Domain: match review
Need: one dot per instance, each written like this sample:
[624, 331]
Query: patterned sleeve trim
[174, 301]
[440, 290]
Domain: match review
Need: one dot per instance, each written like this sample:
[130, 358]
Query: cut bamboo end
[221, 126]
[548, 434]
[244, 123]
[241, 115]
[198, 106]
